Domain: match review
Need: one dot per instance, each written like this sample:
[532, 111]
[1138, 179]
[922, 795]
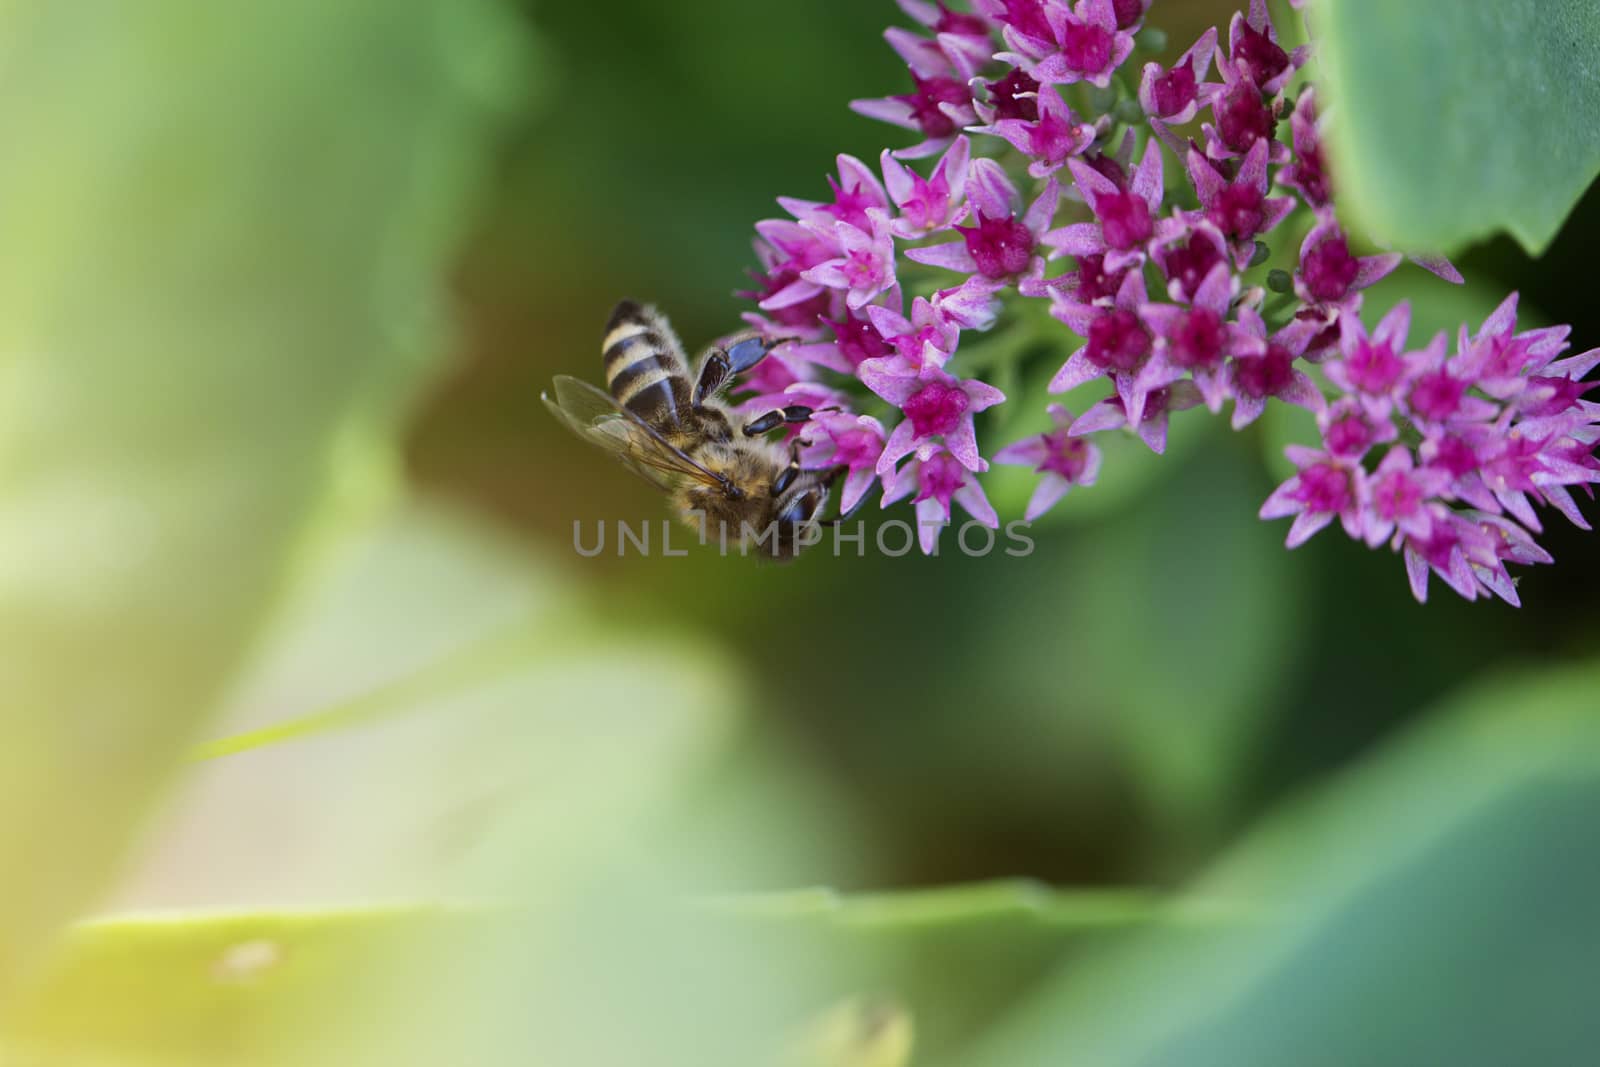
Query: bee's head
[791, 525]
[771, 516]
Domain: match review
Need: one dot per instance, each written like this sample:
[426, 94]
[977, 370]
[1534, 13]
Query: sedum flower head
[1035, 185]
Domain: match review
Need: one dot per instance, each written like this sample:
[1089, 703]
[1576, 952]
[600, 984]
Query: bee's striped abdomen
[645, 368]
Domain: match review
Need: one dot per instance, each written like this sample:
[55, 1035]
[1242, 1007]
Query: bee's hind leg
[719, 366]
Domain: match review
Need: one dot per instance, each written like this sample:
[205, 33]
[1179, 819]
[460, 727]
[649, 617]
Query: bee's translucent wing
[596, 417]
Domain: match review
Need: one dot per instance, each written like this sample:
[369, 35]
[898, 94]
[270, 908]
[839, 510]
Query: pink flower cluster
[1169, 292]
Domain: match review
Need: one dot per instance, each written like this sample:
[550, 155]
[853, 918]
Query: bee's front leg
[773, 419]
[792, 471]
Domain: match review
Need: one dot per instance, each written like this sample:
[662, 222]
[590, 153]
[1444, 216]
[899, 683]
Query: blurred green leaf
[475, 664]
[239, 987]
[1452, 121]
[535, 778]
[469, 691]
[1432, 906]
[1010, 900]
[173, 990]
[226, 230]
[859, 1032]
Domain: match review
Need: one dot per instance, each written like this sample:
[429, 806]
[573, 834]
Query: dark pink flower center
[1065, 455]
[1238, 211]
[857, 448]
[1324, 488]
[914, 346]
[1349, 435]
[1124, 220]
[863, 267]
[929, 205]
[1330, 270]
[1455, 457]
[1396, 496]
[1000, 247]
[1086, 47]
[1015, 96]
[1189, 263]
[1174, 91]
[1564, 394]
[924, 104]
[1053, 138]
[859, 340]
[1094, 283]
[1262, 57]
[1374, 368]
[802, 255]
[961, 25]
[936, 408]
[1243, 118]
[1437, 396]
[1438, 546]
[1198, 339]
[940, 478]
[1507, 357]
[1264, 375]
[1118, 341]
[1027, 17]
[1517, 463]
[1128, 12]
[850, 205]
[1108, 168]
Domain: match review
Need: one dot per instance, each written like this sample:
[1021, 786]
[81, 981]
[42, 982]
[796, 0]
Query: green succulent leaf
[1433, 906]
[1455, 119]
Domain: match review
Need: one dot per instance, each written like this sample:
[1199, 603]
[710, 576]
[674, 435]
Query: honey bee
[723, 476]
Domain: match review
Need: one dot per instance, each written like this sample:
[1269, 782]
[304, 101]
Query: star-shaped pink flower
[1398, 493]
[1330, 278]
[1175, 96]
[1118, 345]
[1063, 459]
[1253, 48]
[1270, 373]
[938, 409]
[1195, 341]
[856, 192]
[837, 438]
[866, 267]
[939, 478]
[1052, 137]
[926, 340]
[1326, 488]
[1126, 216]
[999, 248]
[1240, 209]
[930, 204]
[1086, 44]
[1109, 414]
